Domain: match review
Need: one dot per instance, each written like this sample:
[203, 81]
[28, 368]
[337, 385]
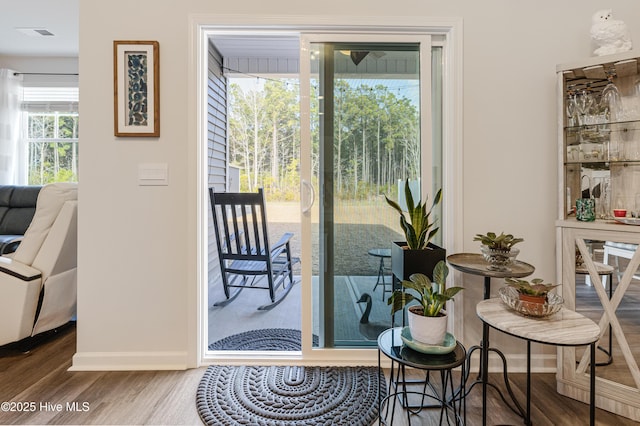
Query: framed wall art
[136, 95]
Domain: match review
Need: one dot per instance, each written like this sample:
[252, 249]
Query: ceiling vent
[35, 32]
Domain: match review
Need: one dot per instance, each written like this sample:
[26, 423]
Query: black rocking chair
[240, 224]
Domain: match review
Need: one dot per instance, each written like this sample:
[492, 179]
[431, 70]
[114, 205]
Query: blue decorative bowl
[447, 346]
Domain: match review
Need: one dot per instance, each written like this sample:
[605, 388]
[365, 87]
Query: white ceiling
[59, 17]
[257, 45]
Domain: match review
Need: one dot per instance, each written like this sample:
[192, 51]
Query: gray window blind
[50, 99]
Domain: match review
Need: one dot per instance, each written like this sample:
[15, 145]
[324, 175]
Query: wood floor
[40, 377]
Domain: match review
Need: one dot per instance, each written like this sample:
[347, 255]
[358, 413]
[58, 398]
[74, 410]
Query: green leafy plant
[432, 296]
[536, 287]
[498, 242]
[418, 228]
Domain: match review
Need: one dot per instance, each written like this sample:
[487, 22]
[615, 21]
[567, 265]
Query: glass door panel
[618, 354]
[370, 130]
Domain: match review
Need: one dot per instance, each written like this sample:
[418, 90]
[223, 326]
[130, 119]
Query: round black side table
[450, 401]
[604, 271]
[383, 254]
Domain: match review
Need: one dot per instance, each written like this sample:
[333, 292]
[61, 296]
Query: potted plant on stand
[535, 291]
[498, 250]
[427, 319]
[534, 296]
[417, 254]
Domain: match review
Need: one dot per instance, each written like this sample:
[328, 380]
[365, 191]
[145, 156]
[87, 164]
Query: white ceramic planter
[428, 330]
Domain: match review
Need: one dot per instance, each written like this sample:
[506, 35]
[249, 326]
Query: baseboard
[124, 361]
[516, 363]
[121, 361]
[318, 357]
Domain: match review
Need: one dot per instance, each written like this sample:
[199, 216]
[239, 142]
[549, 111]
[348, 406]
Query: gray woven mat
[267, 339]
[278, 395]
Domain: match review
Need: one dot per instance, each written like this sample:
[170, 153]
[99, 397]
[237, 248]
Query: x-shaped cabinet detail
[611, 395]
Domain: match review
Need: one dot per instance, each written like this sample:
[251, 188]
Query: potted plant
[532, 292]
[498, 250]
[427, 319]
[417, 254]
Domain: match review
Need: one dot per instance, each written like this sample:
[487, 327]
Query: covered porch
[359, 230]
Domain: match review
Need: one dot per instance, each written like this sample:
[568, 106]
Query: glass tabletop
[390, 343]
[380, 252]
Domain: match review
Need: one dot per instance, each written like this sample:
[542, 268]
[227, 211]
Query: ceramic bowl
[619, 212]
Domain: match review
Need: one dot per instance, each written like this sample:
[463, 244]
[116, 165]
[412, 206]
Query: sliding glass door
[366, 127]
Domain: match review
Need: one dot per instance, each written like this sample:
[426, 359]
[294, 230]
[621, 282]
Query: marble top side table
[564, 328]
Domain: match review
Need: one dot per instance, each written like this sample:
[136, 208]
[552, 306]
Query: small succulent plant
[498, 242]
[536, 287]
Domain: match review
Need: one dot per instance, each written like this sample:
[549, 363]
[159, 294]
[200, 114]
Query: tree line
[375, 140]
[52, 148]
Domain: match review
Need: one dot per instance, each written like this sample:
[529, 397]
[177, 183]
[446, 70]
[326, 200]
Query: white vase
[428, 330]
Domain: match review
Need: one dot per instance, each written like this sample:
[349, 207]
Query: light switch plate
[153, 174]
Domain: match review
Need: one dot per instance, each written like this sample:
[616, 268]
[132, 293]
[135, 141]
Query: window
[51, 135]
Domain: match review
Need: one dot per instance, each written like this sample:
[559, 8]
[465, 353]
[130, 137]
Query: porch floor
[242, 314]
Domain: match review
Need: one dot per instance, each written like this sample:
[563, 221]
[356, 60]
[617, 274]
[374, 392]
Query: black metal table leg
[379, 391]
[484, 367]
[484, 370]
[527, 419]
[608, 352]
[592, 387]
[381, 278]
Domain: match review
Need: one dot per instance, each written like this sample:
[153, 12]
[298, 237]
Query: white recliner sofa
[38, 281]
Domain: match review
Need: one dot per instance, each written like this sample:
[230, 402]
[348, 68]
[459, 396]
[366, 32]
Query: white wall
[137, 266]
[52, 65]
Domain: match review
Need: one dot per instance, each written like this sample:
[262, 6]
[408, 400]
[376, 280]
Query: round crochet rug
[279, 395]
[268, 339]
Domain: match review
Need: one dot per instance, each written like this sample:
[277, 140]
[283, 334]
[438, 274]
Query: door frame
[446, 32]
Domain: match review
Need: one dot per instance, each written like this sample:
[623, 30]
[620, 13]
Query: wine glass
[636, 212]
[605, 199]
[572, 108]
[610, 101]
[632, 103]
[584, 104]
